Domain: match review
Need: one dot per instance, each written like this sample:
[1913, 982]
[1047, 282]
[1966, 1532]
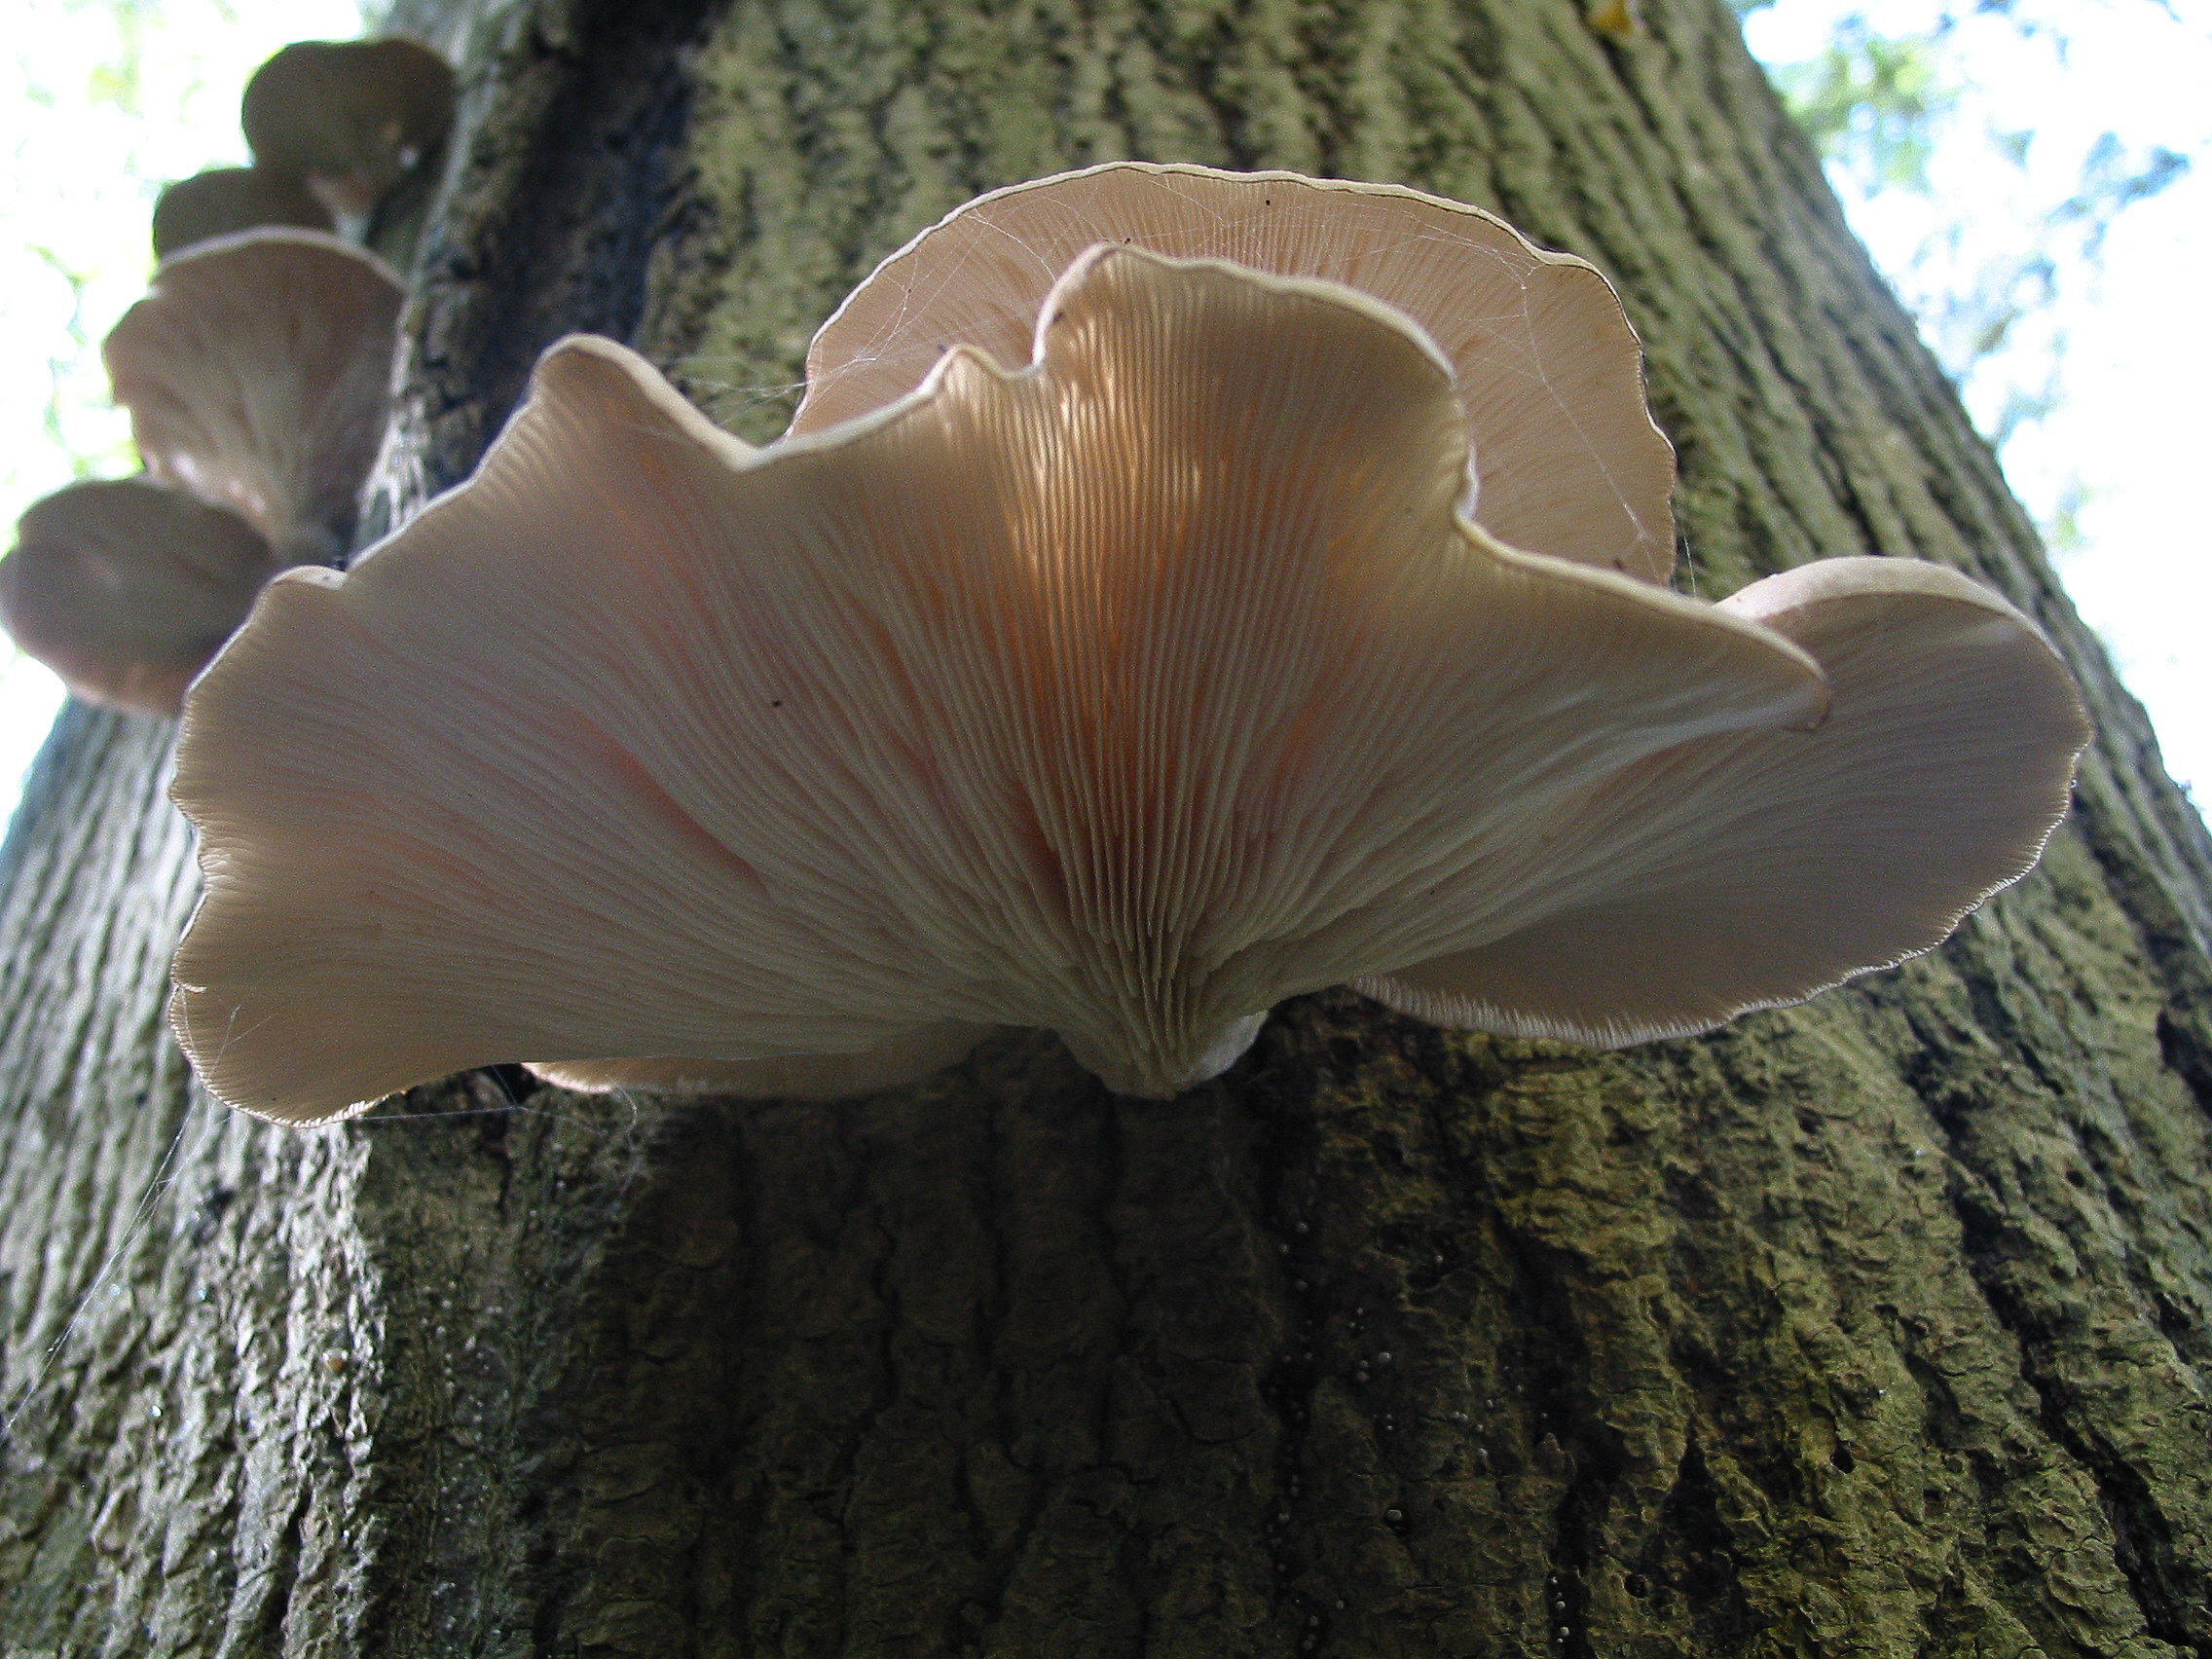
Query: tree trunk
[1874, 1327]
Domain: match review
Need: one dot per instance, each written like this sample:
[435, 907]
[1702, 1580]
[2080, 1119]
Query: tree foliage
[1989, 279]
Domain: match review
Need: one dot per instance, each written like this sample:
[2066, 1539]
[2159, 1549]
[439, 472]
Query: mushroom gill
[1550, 376]
[1124, 694]
[258, 371]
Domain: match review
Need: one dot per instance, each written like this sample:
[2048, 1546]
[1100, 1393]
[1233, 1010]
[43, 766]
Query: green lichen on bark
[1876, 1327]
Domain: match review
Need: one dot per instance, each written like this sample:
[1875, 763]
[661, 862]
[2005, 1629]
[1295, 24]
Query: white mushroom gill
[1123, 694]
[1549, 374]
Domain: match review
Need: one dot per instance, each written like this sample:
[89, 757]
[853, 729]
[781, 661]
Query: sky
[2129, 439]
[107, 99]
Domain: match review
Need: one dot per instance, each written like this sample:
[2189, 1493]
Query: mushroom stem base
[1162, 1077]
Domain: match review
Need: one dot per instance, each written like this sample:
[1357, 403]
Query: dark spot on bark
[208, 1214]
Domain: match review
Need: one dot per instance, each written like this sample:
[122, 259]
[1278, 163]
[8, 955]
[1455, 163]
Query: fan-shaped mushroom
[1566, 460]
[258, 375]
[1125, 694]
[126, 589]
[349, 117]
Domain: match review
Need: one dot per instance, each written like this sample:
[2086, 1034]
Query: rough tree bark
[1876, 1327]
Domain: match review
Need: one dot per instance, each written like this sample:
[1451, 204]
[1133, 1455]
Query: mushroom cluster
[257, 373]
[1179, 591]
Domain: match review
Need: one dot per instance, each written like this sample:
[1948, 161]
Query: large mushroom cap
[349, 117]
[1567, 459]
[258, 375]
[126, 589]
[224, 200]
[1763, 868]
[1123, 694]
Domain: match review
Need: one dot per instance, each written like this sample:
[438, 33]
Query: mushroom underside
[1123, 694]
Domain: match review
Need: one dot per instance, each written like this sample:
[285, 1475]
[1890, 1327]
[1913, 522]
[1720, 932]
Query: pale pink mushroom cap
[1125, 695]
[1550, 374]
[258, 375]
[126, 589]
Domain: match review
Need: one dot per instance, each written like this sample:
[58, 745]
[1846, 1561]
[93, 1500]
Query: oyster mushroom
[258, 375]
[126, 589]
[347, 117]
[224, 200]
[1123, 694]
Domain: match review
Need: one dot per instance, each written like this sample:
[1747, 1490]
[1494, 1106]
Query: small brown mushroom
[1565, 458]
[224, 200]
[349, 117]
[258, 375]
[126, 589]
